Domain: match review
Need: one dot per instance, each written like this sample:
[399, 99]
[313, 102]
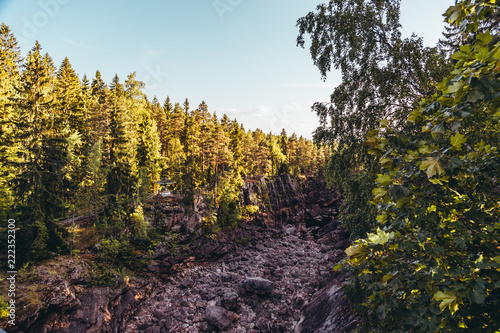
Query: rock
[270, 277]
[258, 285]
[187, 283]
[290, 230]
[328, 312]
[219, 317]
[169, 323]
[230, 300]
[262, 325]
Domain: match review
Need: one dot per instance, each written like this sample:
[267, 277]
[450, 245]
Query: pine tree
[158, 113]
[10, 60]
[262, 163]
[219, 155]
[99, 112]
[120, 182]
[41, 184]
[92, 186]
[193, 175]
[206, 126]
[148, 154]
[278, 159]
[236, 141]
[177, 122]
[69, 105]
[283, 144]
[248, 154]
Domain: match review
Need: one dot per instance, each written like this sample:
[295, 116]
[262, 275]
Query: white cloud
[82, 45]
[294, 118]
[149, 52]
[312, 85]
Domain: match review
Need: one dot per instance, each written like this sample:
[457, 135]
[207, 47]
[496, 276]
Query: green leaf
[356, 251]
[383, 180]
[483, 54]
[460, 56]
[338, 266]
[484, 37]
[385, 160]
[382, 218]
[455, 87]
[386, 278]
[411, 156]
[453, 13]
[478, 295]
[447, 299]
[425, 149]
[379, 193]
[457, 140]
[431, 167]
[381, 237]
[384, 122]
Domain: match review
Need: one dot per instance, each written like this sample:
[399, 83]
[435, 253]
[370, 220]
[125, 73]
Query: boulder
[257, 285]
[230, 300]
[219, 317]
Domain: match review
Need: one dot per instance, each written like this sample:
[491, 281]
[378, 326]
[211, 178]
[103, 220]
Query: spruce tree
[120, 183]
[10, 60]
[41, 182]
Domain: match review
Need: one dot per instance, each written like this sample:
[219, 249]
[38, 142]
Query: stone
[258, 285]
[230, 300]
[187, 283]
[219, 317]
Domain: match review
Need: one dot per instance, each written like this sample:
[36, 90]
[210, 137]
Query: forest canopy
[71, 145]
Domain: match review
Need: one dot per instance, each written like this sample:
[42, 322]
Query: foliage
[116, 251]
[434, 263]
[4, 311]
[138, 225]
[71, 146]
[244, 240]
[248, 211]
[383, 76]
[228, 199]
[172, 241]
[102, 276]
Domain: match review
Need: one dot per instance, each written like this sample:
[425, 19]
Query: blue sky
[237, 55]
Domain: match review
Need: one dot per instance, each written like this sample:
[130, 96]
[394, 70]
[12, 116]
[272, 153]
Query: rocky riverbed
[272, 274]
[262, 286]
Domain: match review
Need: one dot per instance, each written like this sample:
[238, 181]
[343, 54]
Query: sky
[239, 56]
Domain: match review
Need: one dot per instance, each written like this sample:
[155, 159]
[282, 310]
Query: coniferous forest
[388, 221]
[72, 145]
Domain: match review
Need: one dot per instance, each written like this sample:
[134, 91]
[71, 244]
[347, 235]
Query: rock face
[270, 275]
[283, 200]
[328, 311]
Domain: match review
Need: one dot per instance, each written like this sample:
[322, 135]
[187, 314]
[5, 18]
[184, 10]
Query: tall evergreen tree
[219, 155]
[236, 141]
[41, 182]
[10, 60]
[148, 154]
[120, 182]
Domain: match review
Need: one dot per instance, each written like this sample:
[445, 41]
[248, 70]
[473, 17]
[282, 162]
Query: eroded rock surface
[262, 286]
[270, 275]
